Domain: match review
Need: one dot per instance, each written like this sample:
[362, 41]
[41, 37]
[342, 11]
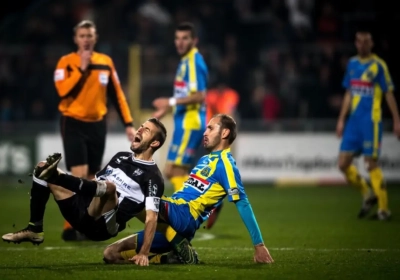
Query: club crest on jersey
[137, 172]
[109, 170]
[197, 183]
[205, 171]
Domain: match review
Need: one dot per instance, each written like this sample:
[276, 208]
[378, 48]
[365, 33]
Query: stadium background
[285, 58]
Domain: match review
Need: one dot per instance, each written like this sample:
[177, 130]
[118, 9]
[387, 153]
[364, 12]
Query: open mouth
[137, 139]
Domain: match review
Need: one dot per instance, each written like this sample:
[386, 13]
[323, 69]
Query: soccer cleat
[384, 215]
[367, 205]
[172, 258]
[186, 253]
[24, 235]
[49, 169]
[71, 234]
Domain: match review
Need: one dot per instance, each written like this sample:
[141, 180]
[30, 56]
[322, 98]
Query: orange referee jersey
[84, 94]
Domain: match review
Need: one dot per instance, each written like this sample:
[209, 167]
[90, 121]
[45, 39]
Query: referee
[84, 80]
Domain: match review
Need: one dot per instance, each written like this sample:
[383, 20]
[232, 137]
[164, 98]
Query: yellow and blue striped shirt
[191, 77]
[214, 177]
[367, 80]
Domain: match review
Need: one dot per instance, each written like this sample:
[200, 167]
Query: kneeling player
[130, 183]
[215, 177]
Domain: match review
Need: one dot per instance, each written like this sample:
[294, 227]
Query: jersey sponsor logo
[103, 78]
[197, 183]
[362, 88]
[152, 188]
[180, 89]
[59, 75]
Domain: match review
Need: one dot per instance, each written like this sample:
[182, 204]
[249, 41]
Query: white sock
[101, 188]
[39, 181]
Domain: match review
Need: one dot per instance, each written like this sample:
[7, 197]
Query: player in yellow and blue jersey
[214, 178]
[188, 106]
[367, 81]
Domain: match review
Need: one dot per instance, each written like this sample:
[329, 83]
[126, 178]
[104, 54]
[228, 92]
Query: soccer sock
[178, 181]
[379, 186]
[153, 258]
[40, 194]
[81, 186]
[355, 179]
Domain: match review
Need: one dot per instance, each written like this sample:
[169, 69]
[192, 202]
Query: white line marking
[209, 249]
[203, 236]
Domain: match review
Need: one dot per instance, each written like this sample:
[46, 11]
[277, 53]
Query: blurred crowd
[283, 58]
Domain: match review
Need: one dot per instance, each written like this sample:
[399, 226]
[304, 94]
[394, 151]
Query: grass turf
[312, 233]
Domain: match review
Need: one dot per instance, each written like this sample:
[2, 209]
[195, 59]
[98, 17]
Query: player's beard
[142, 147]
[211, 145]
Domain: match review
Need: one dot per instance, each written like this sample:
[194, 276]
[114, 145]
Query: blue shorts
[362, 137]
[184, 145]
[179, 218]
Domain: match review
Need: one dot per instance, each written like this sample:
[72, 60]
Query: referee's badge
[103, 78]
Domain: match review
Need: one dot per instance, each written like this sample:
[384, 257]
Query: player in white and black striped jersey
[128, 184]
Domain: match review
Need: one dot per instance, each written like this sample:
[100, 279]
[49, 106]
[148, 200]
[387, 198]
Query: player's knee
[343, 165]
[168, 172]
[111, 255]
[111, 188]
[370, 164]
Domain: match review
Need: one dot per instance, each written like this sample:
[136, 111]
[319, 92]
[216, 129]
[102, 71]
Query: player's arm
[117, 97]
[197, 84]
[385, 82]
[232, 183]
[154, 191]
[346, 104]
[68, 78]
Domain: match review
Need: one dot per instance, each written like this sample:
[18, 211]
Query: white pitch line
[211, 249]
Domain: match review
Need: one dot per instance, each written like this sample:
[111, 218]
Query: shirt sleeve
[153, 191]
[346, 78]
[68, 79]
[384, 79]
[230, 179]
[117, 96]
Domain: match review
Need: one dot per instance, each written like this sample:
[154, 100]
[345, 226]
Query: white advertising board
[302, 156]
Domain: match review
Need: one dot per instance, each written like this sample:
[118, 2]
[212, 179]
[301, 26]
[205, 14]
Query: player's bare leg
[353, 177]
[69, 234]
[379, 186]
[121, 251]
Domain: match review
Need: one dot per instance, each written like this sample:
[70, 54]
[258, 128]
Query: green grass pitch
[312, 233]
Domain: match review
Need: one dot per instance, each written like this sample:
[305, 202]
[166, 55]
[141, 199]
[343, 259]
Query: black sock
[39, 196]
[77, 185]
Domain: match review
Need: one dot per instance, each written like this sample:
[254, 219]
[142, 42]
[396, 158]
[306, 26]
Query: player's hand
[262, 255]
[339, 128]
[161, 103]
[130, 132]
[159, 113]
[396, 128]
[85, 59]
[140, 259]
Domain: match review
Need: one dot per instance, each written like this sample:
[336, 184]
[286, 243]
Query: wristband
[172, 101]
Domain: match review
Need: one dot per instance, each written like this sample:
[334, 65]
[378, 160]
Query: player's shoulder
[354, 60]
[68, 57]
[101, 58]
[155, 173]
[380, 61]
[226, 160]
[199, 60]
[123, 155]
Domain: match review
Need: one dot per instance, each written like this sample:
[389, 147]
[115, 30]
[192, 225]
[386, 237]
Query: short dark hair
[161, 134]
[84, 24]
[227, 122]
[187, 26]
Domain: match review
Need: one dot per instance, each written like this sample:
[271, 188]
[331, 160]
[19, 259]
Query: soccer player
[367, 81]
[188, 104]
[127, 185]
[84, 80]
[214, 177]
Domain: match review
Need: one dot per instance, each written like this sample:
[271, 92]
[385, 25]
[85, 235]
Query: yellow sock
[178, 182]
[355, 179]
[153, 258]
[379, 186]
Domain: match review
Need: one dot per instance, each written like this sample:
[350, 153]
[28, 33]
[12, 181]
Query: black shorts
[74, 210]
[84, 143]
